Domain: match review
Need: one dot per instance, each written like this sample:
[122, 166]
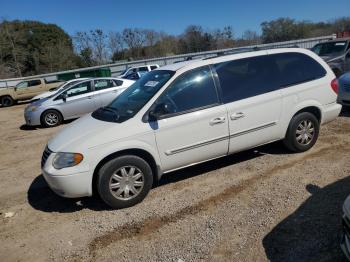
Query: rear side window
[191, 91]
[243, 78]
[34, 83]
[296, 68]
[153, 67]
[143, 69]
[103, 84]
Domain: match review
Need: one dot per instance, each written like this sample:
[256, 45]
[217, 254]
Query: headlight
[33, 108]
[62, 160]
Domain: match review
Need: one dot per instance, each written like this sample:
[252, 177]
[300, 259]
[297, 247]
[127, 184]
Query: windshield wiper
[111, 110]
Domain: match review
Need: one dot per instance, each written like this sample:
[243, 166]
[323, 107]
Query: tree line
[32, 47]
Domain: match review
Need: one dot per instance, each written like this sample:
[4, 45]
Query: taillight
[335, 85]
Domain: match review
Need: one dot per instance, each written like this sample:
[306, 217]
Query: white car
[58, 89]
[132, 72]
[187, 113]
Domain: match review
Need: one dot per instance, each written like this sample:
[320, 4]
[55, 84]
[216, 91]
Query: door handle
[89, 97]
[218, 120]
[236, 116]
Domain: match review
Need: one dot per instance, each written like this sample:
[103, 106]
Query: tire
[302, 132]
[114, 185]
[51, 118]
[7, 101]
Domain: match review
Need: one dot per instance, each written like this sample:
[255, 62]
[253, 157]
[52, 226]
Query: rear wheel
[7, 101]
[124, 181]
[302, 132]
[51, 118]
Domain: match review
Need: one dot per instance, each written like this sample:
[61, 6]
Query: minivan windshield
[330, 48]
[130, 102]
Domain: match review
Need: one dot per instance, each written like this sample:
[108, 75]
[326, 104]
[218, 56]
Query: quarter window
[118, 82]
[296, 68]
[191, 91]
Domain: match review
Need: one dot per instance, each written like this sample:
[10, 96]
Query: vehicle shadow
[313, 231]
[345, 112]
[17, 104]
[42, 198]
[25, 127]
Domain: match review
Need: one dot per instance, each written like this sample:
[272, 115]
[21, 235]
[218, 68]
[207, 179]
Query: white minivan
[187, 113]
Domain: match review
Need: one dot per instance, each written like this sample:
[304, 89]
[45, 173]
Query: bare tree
[115, 43]
[98, 39]
[251, 37]
[134, 39]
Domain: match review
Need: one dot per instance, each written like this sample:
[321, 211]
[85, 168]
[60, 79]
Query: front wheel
[302, 132]
[51, 118]
[7, 101]
[124, 181]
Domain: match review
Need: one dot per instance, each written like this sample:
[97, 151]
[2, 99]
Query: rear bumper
[330, 112]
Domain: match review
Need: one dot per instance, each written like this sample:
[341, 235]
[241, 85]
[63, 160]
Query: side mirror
[64, 97]
[158, 111]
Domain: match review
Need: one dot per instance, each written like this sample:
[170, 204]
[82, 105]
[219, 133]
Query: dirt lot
[258, 205]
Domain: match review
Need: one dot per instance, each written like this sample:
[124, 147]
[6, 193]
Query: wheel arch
[313, 108]
[316, 111]
[145, 155]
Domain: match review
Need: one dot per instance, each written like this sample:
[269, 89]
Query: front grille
[47, 152]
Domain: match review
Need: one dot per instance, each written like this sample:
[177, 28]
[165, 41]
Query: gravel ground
[258, 205]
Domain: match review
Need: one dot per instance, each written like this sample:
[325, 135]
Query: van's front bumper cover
[70, 186]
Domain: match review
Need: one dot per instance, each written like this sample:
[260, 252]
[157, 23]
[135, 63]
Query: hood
[79, 134]
[44, 95]
[88, 132]
[37, 102]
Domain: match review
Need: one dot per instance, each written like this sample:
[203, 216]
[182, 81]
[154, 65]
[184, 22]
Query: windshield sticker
[152, 83]
[342, 43]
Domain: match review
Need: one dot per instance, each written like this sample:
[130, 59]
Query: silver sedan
[75, 101]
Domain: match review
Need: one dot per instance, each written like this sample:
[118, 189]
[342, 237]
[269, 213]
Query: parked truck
[26, 90]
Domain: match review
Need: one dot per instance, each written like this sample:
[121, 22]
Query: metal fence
[116, 68]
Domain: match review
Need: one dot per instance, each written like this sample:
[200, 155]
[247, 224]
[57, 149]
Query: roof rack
[245, 50]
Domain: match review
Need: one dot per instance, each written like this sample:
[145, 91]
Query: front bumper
[70, 182]
[70, 186]
[32, 118]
